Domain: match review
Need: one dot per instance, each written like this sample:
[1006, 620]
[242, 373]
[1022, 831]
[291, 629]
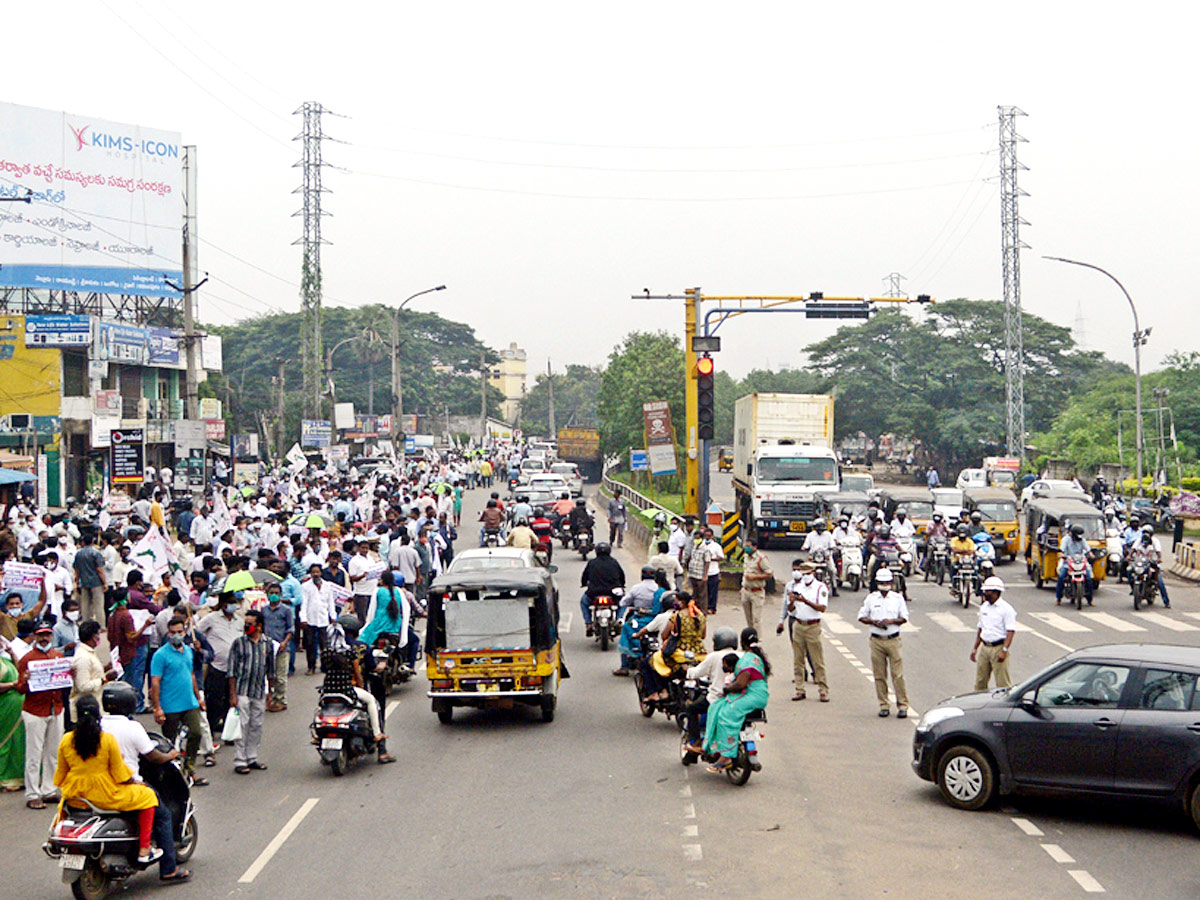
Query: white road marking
[685, 791]
[693, 852]
[1062, 623]
[689, 810]
[1103, 618]
[951, 622]
[564, 625]
[1192, 615]
[835, 642]
[1049, 640]
[1021, 626]
[276, 842]
[838, 625]
[1058, 854]
[391, 706]
[1028, 827]
[1166, 621]
[691, 831]
[1086, 881]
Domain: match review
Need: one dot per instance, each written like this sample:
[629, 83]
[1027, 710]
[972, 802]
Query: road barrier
[731, 531]
[1187, 561]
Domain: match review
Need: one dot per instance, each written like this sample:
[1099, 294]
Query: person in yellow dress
[90, 768]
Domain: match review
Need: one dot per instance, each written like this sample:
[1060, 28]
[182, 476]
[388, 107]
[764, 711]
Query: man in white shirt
[668, 563]
[403, 557]
[317, 610]
[993, 637]
[201, 531]
[820, 539]
[715, 556]
[805, 599]
[362, 585]
[59, 583]
[885, 611]
[26, 538]
[678, 539]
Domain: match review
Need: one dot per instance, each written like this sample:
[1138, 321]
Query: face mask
[274, 599]
[808, 577]
[72, 616]
[796, 576]
[231, 608]
[175, 639]
[250, 629]
[13, 611]
[43, 645]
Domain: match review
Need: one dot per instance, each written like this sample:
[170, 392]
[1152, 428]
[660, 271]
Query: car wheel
[1194, 805]
[966, 778]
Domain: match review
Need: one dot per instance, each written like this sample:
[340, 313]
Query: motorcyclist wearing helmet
[350, 660]
[977, 523]
[491, 519]
[640, 604]
[962, 550]
[563, 505]
[600, 576]
[1148, 548]
[725, 641]
[883, 545]
[820, 539]
[937, 530]
[579, 520]
[119, 702]
[903, 526]
[522, 508]
[522, 536]
[1073, 545]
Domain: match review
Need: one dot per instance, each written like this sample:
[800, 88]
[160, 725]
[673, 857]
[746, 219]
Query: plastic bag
[233, 727]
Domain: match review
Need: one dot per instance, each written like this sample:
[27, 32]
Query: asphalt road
[500, 805]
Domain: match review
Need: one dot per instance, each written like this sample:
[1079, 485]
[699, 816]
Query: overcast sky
[545, 161]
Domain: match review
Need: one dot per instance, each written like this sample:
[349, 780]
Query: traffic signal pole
[693, 501]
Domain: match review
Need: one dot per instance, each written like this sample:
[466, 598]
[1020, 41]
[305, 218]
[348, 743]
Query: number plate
[797, 526]
[331, 743]
[71, 861]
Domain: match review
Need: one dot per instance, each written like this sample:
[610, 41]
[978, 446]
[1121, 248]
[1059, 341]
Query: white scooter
[908, 547]
[1115, 552]
[852, 564]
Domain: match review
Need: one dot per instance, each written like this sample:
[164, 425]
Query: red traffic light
[704, 365]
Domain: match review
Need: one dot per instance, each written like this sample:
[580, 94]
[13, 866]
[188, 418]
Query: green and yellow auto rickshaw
[1044, 523]
[998, 509]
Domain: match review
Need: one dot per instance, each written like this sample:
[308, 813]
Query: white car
[475, 559]
[548, 482]
[948, 501]
[570, 473]
[969, 478]
[1043, 487]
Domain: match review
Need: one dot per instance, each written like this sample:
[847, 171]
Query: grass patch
[667, 500]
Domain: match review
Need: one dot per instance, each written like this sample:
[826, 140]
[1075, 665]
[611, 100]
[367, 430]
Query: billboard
[58, 331]
[107, 204]
[315, 433]
[128, 457]
[660, 437]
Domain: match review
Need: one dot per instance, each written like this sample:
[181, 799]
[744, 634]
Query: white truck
[782, 456]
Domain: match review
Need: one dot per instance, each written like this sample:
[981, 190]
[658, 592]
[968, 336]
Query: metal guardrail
[632, 497]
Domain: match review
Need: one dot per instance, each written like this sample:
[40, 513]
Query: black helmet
[885, 530]
[350, 624]
[603, 548]
[725, 638]
[976, 517]
[647, 571]
[565, 495]
[119, 698]
[580, 502]
[522, 498]
[961, 531]
[491, 504]
[1077, 530]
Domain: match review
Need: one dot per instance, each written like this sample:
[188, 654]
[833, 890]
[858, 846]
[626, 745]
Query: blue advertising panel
[316, 433]
[58, 331]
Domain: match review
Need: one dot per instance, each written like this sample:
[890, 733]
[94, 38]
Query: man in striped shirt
[250, 658]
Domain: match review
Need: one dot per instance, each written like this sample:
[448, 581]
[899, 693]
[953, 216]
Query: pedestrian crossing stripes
[951, 622]
[1103, 618]
[1056, 620]
[1093, 622]
[1167, 622]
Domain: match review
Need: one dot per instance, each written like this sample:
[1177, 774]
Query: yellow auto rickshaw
[492, 641]
[1044, 523]
[998, 508]
[725, 460]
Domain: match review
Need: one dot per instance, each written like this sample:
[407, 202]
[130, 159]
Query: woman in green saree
[12, 731]
[746, 693]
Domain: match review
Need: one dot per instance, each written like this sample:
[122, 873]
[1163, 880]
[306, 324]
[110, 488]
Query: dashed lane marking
[1028, 827]
[1086, 881]
[391, 706]
[564, 625]
[1058, 854]
[1103, 618]
[693, 852]
[691, 831]
[276, 842]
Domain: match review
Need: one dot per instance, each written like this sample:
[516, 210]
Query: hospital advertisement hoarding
[106, 206]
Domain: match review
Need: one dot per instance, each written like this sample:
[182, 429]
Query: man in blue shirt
[174, 693]
[279, 624]
[289, 588]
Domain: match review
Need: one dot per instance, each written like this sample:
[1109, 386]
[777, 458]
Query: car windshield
[563, 469]
[1003, 477]
[797, 468]
[862, 483]
[997, 511]
[852, 509]
[947, 497]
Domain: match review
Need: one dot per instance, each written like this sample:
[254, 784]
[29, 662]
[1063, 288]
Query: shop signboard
[128, 456]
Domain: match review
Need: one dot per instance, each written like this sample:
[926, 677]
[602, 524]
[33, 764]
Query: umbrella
[239, 581]
[312, 520]
[264, 576]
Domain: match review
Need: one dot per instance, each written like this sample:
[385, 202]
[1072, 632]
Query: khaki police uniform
[804, 624]
[756, 569]
[886, 645]
[996, 622]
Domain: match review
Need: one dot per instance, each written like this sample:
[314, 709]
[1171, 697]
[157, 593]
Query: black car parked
[1121, 720]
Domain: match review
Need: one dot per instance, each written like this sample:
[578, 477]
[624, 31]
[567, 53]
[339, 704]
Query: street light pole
[1139, 338]
[397, 386]
[329, 370]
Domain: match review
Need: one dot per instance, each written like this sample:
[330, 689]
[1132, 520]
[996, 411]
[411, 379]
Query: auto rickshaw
[1042, 527]
[725, 460]
[833, 504]
[916, 501]
[492, 641]
[998, 507]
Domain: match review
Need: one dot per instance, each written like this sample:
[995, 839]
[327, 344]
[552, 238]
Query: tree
[576, 398]
[645, 366]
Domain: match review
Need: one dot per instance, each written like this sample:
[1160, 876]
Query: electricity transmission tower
[310, 190]
[1010, 232]
[893, 285]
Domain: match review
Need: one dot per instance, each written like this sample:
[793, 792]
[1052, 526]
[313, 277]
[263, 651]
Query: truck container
[582, 447]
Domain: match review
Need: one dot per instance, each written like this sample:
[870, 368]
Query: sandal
[385, 758]
[209, 762]
[37, 803]
[200, 781]
[178, 876]
[715, 769]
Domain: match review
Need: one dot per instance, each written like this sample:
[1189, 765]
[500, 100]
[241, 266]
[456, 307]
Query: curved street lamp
[397, 386]
[1139, 339]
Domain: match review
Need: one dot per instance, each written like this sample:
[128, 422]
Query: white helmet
[884, 576]
[993, 584]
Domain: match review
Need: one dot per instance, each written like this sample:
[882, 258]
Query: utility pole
[397, 396]
[550, 384]
[1010, 252]
[483, 380]
[279, 429]
[310, 190]
[191, 405]
[893, 285]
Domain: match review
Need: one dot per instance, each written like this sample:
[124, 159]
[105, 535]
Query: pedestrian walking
[715, 556]
[756, 572]
[993, 637]
[220, 629]
[885, 611]
[175, 694]
[250, 659]
[616, 519]
[804, 602]
[42, 715]
[130, 642]
[279, 624]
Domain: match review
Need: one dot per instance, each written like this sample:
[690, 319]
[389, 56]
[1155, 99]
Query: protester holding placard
[41, 714]
[14, 606]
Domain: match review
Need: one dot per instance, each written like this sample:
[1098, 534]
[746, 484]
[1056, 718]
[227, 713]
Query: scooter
[341, 730]
[852, 565]
[1115, 553]
[97, 849]
[606, 623]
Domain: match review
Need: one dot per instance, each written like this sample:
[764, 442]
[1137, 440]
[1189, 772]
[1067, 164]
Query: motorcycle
[907, 545]
[746, 762]
[583, 541]
[891, 559]
[97, 849]
[491, 537]
[606, 624]
[1114, 549]
[852, 565]
[985, 564]
[938, 563]
[1077, 573]
[342, 731]
[387, 650]
[820, 559]
[677, 697]
[1143, 576]
[963, 581]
